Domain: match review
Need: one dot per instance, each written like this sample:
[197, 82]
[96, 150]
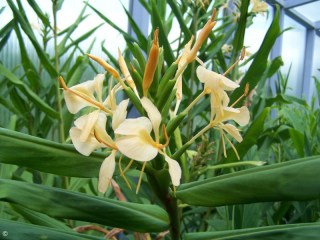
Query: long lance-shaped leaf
[283, 232]
[60, 203]
[163, 39]
[175, 9]
[69, 30]
[35, 7]
[28, 31]
[140, 36]
[83, 37]
[259, 64]
[19, 230]
[28, 66]
[47, 156]
[126, 36]
[295, 180]
[32, 96]
[39, 218]
[5, 33]
[241, 29]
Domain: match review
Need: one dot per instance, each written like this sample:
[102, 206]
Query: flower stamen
[140, 178]
[243, 53]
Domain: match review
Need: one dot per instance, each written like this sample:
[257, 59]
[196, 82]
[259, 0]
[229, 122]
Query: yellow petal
[106, 172]
[75, 103]
[98, 84]
[120, 114]
[86, 124]
[153, 114]
[87, 147]
[137, 148]
[239, 115]
[174, 170]
[227, 84]
[133, 126]
[233, 131]
[215, 81]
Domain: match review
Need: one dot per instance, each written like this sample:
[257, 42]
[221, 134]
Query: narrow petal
[136, 148]
[106, 172]
[233, 131]
[133, 126]
[174, 170]
[227, 84]
[98, 84]
[239, 115]
[153, 114]
[75, 103]
[209, 78]
[86, 123]
[120, 114]
[87, 147]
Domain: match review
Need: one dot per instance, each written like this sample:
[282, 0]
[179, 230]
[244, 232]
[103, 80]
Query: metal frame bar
[288, 6]
[141, 16]
[305, 84]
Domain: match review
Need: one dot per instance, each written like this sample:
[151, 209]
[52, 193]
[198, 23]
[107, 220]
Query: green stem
[56, 57]
[231, 165]
[178, 153]
[169, 202]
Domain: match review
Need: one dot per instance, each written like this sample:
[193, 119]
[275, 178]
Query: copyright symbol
[5, 233]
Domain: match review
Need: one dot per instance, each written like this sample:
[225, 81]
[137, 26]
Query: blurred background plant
[47, 188]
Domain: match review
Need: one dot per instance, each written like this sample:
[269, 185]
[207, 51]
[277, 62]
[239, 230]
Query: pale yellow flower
[217, 84]
[135, 139]
[86, 94]
[240, 116]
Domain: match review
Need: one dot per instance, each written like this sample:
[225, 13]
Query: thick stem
[169, 202]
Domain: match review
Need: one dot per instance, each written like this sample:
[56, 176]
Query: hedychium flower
[135, 140]
[240, 115]
[83, 95]
[217, 84]
[89, 134]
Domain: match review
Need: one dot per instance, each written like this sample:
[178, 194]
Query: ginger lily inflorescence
[146, 140]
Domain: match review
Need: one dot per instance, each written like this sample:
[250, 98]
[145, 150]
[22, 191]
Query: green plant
[49, 189]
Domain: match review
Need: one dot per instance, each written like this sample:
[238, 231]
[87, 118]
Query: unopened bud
[105, 65]
[151, 65]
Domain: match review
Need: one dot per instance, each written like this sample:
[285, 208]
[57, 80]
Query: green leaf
[27, 64]
[184, 28]
[79, 206]
[29, 32]
[83, 37]
[143, 42]
[47, 156]
[5, 33]
[126, 36]
[28, 92]
[19, 230]
[259, 64]
[283, 232]
[163, 40]
[33, 4]
[39, 218]
[241, 29]
[277, 182]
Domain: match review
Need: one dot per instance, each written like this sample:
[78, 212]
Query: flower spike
[151, 65]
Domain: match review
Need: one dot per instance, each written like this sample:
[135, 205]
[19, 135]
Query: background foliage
[49, 189]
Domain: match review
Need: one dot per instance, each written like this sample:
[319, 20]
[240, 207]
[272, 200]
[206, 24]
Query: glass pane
[293, 47]
[310, 11]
